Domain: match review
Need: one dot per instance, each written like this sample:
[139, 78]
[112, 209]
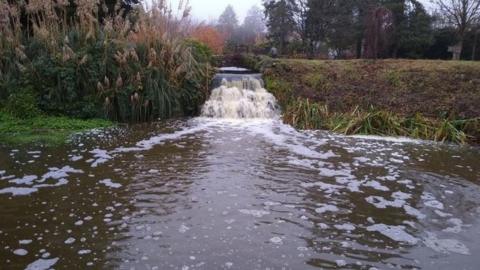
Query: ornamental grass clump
[79, 62]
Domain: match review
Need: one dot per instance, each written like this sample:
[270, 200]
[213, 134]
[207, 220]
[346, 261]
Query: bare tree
[461, 13]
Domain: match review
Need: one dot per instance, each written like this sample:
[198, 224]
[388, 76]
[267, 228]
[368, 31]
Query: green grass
[47, 130]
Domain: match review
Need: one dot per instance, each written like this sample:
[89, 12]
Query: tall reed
[136, 66]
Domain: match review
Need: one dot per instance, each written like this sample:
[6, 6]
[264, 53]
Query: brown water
[239, 194]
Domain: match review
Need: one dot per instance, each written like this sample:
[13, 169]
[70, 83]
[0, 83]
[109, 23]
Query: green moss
[43, 129]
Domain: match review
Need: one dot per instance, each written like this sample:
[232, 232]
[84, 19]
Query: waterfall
[240, 97]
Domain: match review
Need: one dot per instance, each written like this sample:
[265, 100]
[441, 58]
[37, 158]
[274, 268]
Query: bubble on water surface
[20, 252]
[70, 241]
[84, 252]
[276, 240]
[25, 242]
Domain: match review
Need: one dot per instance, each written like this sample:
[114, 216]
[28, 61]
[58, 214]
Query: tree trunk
[359, 46]
[458, 54]
[474, 50]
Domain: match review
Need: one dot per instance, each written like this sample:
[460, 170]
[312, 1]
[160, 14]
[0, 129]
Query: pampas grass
[137, 66]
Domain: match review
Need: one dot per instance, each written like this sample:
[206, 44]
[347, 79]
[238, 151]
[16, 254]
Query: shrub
[22, 104]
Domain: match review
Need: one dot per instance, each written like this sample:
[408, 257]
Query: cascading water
[240, 96]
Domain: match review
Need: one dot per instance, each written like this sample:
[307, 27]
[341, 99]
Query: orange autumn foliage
[210, 37]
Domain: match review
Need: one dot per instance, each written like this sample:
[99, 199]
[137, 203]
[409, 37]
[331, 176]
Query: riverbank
[47, 130]
[433, 100]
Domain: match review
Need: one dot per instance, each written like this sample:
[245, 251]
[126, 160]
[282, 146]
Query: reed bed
[73, 61]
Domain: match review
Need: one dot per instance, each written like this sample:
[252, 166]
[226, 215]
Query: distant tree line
[374, 28]
[242, 36]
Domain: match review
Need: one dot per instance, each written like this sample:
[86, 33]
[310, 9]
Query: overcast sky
[208, 10]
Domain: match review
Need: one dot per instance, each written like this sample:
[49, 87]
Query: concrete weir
[231, 74]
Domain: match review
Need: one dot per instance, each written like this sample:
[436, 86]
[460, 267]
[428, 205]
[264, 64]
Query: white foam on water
[183, 228]
[401, 195]
[276, 240]
[25, 242]
[445, 246]
[442, 214]
[255, 213]
[100, 157]
[70, 241]
[326, 208]
[84, 252]
[435, 204]
[59, 173]
[286, 137]
[42, 264]
[26, 180]
[396, 233]
[413, 212]
[270, 204]
[148, 144]
[18, 191]
[109, 183]
[376, 185]
[325, 187]
[382, 203]
[387, 139]
[20, 252]
[457, 226]
[345, 227]
[76, 158]
[61, 182]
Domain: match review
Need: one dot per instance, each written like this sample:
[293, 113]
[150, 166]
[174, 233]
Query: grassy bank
[43, 129]
[434, 100]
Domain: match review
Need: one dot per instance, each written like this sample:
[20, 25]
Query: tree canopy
[347, 28]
